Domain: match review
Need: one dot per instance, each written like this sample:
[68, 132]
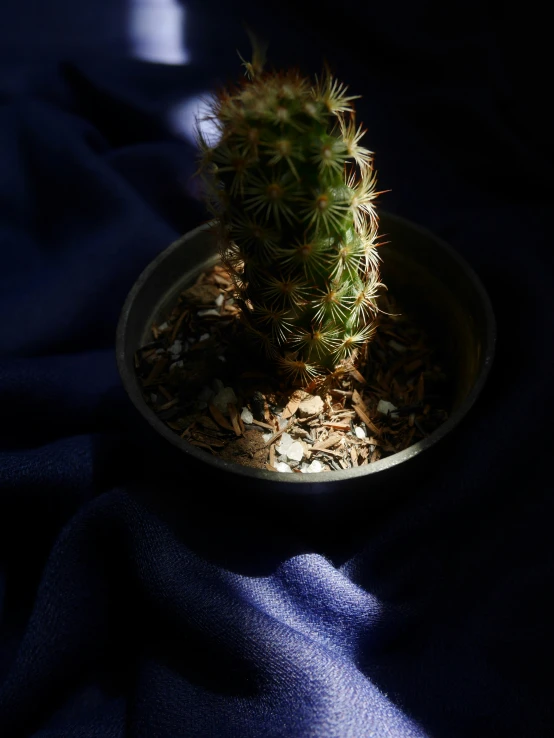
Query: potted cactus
[292, 190]
[295, 236]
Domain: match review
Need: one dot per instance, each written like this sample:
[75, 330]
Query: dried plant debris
[200, 376]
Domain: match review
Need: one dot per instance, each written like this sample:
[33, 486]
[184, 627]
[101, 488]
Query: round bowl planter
[425, 274]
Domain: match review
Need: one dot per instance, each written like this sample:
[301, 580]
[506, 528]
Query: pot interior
[423, 273]
[433, 283]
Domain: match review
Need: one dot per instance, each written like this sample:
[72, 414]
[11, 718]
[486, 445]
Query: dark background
[138, 601]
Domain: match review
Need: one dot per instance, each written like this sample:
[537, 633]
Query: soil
[201, 376]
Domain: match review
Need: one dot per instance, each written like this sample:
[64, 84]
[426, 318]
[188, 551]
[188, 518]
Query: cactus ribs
[292, 191]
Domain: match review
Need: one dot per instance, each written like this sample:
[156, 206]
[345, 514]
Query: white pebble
[246, 416]
[282, 467]
[283, 423]
[315, 467]
[163, 327]
[266, 436]
[209, 311]
[360, 432]
[175, 349]
[222, 358]
[284, 443]
[385, 407]
[311, 405]
[295, 452]
[223, 398]
[204, 337]
[219, 300]
[176, 364]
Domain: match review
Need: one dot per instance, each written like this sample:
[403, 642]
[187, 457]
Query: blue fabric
[131, 603]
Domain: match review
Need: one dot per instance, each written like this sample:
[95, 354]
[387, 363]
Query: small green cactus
[293, 193]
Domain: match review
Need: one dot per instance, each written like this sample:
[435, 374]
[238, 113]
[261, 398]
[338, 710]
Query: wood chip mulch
[201, 377]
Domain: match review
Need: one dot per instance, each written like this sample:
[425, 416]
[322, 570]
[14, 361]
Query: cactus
[293, 192]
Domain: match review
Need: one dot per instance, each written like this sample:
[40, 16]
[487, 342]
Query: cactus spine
[293, 192]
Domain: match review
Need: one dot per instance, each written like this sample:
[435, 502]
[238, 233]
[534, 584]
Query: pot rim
[132, 388]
